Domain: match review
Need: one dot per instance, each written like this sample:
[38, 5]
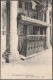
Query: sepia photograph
[26, 39]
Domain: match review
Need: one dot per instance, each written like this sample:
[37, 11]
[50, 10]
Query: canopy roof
[34, 21]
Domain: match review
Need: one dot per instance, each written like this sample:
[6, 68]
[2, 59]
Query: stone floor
[37, 67]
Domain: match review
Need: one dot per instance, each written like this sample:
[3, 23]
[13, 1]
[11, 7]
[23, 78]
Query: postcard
[26, 39]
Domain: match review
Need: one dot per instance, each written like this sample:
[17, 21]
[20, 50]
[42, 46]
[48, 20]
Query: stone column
[13, 31]
[13, 54]
[48, 29]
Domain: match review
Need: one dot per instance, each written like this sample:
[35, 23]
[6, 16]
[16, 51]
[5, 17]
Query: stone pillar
[13, 31]
[13, 54]
[48, 29]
